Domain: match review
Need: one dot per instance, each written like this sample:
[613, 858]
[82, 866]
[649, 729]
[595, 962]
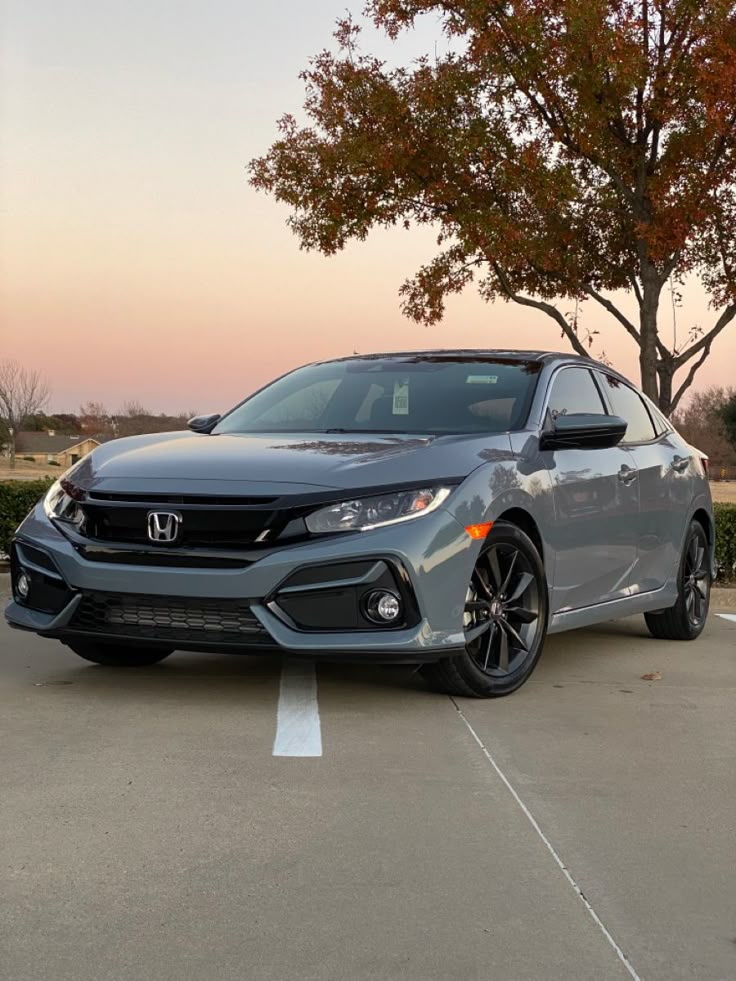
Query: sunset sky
[137, 263]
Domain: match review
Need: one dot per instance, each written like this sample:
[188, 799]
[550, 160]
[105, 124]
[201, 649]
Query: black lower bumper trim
[172, 620]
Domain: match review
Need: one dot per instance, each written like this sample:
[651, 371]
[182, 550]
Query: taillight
[705, 462]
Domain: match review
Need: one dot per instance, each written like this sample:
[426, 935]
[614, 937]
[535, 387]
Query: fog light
[383, 606]
[23, 586]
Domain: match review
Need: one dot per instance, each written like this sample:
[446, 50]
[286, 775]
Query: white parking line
[550, 848]
[298, 731]
[728, 616]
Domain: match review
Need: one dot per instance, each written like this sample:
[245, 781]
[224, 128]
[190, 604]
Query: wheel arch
[523, 520]
[705, 519]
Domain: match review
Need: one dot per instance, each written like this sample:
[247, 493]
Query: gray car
[445, 508]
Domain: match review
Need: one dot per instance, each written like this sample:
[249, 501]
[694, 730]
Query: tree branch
[704, 344]
[548, 308]
[622, 319]
[689, 379]
[614, 311]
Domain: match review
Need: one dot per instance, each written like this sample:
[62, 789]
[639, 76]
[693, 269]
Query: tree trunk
[648, 328]
[11, 445]
[666, 374]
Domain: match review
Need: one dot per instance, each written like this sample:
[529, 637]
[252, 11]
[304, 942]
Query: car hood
[281, 463]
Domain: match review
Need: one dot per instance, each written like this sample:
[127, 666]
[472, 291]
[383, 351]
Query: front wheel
[505, 620]
[686, 619]
[119, 655]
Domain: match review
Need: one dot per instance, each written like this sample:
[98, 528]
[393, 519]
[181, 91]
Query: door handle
[626, 474]
[680, 463]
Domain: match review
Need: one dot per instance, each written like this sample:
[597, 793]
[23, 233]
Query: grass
[27, 471]
[724, 491]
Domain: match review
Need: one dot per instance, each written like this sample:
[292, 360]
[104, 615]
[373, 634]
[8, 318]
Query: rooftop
[465, 354]
[44, 442]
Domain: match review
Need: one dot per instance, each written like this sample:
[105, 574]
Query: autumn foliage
[565, 149]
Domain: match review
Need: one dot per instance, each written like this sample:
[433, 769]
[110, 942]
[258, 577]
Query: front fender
[500, 486]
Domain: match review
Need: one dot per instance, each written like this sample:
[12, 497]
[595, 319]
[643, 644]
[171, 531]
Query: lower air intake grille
[170, 618]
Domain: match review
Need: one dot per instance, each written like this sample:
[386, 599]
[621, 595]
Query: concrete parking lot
[580, 829]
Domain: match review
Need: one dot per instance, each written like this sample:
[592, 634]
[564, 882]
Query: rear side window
[627, 404]
[573, 392]
[661, 423]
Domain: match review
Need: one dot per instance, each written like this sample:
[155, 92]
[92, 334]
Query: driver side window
[574, 391]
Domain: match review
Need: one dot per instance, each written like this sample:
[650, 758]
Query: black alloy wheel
[686, 619]
[505, 619]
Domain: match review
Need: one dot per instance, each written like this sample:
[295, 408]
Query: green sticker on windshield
[481, 379]
[401, 398]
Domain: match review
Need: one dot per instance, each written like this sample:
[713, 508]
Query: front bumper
[431, 558]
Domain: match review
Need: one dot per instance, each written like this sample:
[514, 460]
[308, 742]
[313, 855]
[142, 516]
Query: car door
[665, 483]
[596, 502]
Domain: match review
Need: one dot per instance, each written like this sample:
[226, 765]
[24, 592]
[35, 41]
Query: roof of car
[474, 354]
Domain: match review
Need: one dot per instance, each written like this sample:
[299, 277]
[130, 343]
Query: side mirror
[204, 424]
[582, 431]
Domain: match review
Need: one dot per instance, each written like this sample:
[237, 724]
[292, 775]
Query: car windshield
[392, 395]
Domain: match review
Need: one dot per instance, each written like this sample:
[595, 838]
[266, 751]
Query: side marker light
[479, 531]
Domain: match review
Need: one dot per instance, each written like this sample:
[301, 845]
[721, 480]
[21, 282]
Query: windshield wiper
[369, 432]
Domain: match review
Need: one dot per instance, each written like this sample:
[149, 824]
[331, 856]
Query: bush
[17, 497]
[725, 540]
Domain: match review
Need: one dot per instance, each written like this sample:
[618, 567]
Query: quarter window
[573, 392]
[626, 403]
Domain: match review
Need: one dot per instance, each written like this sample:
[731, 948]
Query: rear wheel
[686, 619]
[505, 620]
[119, 655]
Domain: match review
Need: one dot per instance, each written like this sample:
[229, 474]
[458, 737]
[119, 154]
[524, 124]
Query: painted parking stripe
[298, 731]
[728, 616]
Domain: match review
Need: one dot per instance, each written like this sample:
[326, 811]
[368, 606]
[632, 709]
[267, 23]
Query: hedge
[17, 497]
[725, 540]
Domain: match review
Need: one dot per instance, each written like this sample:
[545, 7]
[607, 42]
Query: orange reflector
[479, 531]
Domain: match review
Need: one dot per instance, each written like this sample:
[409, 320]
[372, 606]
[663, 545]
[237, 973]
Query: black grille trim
[172, 619]
[182, 500]
[168, 558]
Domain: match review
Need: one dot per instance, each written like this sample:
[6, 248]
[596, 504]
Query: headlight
[376, 512]
[60, 503]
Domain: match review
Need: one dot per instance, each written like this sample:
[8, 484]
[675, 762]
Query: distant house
[50, 447]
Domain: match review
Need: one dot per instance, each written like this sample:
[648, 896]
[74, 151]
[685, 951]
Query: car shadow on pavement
[590, 654]
[193, 678]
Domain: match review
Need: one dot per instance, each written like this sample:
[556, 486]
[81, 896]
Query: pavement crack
[548, 845]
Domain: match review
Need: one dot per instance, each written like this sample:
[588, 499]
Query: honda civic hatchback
[448, 509]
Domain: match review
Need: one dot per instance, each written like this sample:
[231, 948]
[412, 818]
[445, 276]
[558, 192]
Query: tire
[504, 641]
[119, 655]
[686, 619]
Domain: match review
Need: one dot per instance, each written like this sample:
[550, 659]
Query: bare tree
[22, 394]
[701, 422]
[94, 419]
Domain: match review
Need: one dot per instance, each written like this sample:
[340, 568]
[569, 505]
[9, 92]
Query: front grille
[204, 526]
[169, 618]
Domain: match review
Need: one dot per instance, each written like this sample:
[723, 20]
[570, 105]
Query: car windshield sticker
[481, 379]
[401, 398]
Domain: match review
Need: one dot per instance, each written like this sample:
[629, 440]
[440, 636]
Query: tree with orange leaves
[564, 149]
